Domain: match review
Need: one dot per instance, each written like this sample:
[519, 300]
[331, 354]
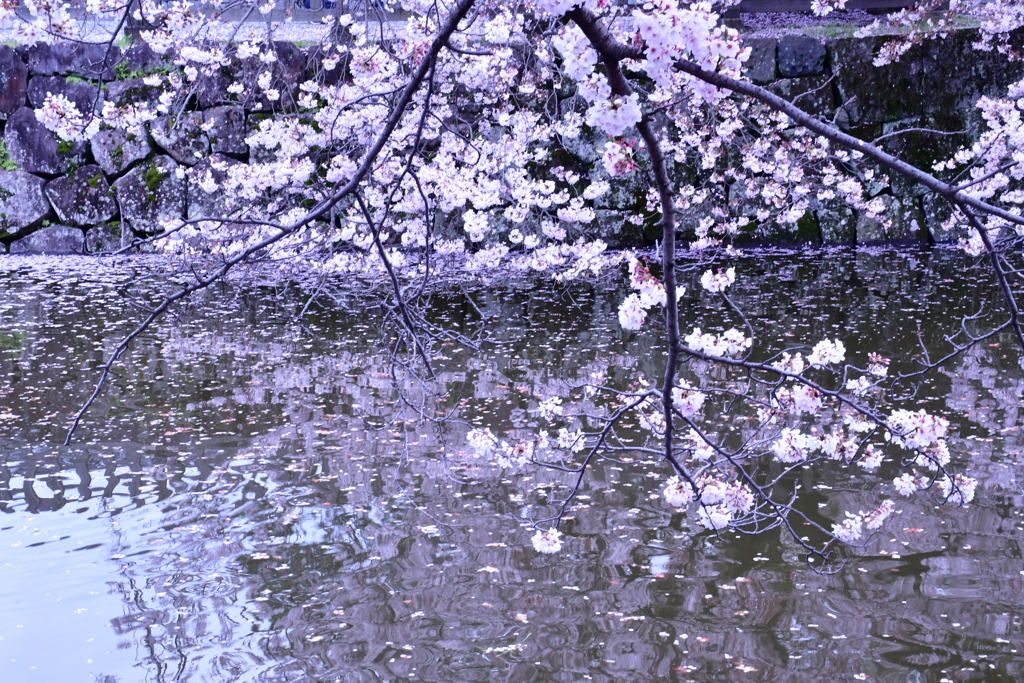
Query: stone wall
[60, 197]
[935, 86]
[89, 197]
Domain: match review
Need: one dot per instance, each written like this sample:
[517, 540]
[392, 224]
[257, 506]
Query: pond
[244, 503]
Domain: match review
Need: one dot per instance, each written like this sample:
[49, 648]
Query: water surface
[244, 503]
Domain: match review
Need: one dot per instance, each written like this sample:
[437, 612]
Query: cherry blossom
[826, 353]
[718, 282]
[547, 542]
[483, 169]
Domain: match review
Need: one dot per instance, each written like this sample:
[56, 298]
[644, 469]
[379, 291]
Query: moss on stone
[153, 178]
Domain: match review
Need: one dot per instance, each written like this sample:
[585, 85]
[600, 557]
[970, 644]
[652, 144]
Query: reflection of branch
[396, 286]
[324, 207]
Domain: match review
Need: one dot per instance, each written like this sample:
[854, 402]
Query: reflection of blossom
[551, 407]
[481, 440]
[850, 530]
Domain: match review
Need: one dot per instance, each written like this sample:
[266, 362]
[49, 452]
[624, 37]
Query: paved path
[304, 25]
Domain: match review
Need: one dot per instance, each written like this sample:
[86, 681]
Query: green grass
[6, 162]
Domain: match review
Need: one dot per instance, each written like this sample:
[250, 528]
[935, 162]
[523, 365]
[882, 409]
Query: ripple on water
[242, 509]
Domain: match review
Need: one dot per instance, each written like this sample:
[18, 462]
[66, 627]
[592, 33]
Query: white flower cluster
[475, 225]
[686, 399]
[548, 542]
[793, 364]
[670, 33]
[799, 400]
[678, 493]
[578, 58]
[617, 158]
[633, 310]
[793, 446]
[720, 501]
[824, 7]
[516, 455]
[958, 489]
[729, 343]
[917, 431]
[615, 114]
[718, 282]
[61, 116]
[700, 450]
[827, 352]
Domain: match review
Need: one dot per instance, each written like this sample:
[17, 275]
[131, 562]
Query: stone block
[212, 89]
[288, 73]
[936, 213]
[132, 91]
[315, 65]
[85, 60]
[289, 69]
[13, 81]
[813, 94]
[739, 203]
[760, 67]
[117, 150]
[922, 148]
[837, 224]
[800, 56]
[955, 74]
[182, 137]
[54, 239]
[804, 231]
[103, 238]
[49, 59]
[621, 234]
[205, 196]
[226, 129]
[876, 94]
[22, 202]
[905, 223]
[85, 96]
[82, 198]
[692, 214]
[140, 57]
[150, 194]
[35, 149]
